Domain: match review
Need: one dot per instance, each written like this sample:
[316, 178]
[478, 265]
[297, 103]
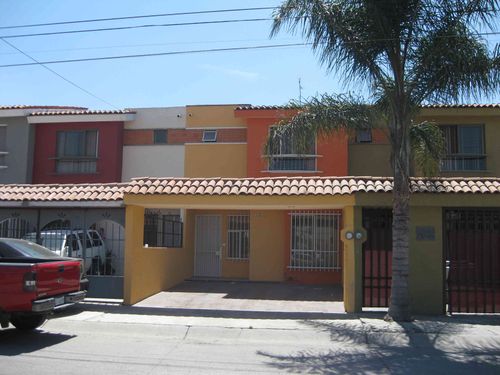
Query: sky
[259, 77]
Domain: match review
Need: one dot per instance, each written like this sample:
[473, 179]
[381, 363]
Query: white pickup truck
[74, 243]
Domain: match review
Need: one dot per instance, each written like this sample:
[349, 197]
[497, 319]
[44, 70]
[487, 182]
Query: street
[120, 340]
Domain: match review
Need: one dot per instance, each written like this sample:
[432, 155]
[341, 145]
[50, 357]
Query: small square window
[210, 136]
[160, 136]
[364, 136]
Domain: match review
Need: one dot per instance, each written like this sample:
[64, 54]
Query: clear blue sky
[254, 77]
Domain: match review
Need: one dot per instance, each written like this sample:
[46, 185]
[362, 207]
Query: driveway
[279, 299]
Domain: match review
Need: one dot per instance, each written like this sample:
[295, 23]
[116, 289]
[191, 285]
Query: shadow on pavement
[263, 290]
[433, 346]
[14, 342]
[208, 313]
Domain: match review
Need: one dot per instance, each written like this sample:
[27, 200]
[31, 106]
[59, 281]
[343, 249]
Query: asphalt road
[100, 342]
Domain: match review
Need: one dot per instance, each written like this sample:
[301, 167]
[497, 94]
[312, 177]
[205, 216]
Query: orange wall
[333, 152]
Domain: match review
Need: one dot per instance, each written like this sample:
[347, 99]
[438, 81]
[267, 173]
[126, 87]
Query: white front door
[208, 250]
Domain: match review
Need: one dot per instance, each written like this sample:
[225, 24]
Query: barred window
[162, 230]
[238, 237]
[285, 156]
[315, 242]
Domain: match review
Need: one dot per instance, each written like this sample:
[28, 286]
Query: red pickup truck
[34, 282]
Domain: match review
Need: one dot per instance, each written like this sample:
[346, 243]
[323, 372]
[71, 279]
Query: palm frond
[322, 116]
[428, 147]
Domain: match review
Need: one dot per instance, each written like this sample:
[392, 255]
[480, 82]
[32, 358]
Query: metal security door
[207, 257]
[472, 253]
[377, 257]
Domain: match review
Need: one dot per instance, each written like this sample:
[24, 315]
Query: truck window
[96, 238]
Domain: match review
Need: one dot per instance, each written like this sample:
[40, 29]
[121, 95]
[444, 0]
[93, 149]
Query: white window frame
[4, 152]
[308, 254]
[209, 136]
[77, 162]
[292, 156]
[240, 253]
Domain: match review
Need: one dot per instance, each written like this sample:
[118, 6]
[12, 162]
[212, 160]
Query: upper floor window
[77, 151]
[209, 136]
[160, 136]
[464, 148]
[363, 136]
[3, 146]
[286, 155]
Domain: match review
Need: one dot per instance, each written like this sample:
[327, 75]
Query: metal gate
[95, 235]
[472, 254]
[207, 246]
[377, 257]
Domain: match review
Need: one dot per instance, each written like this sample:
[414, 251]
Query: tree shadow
[374, 346]
[14, 342]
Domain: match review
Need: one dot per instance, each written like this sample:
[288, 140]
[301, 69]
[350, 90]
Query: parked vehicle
[74, 243]
[34, 282]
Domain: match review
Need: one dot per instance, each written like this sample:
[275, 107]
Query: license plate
[59, 301]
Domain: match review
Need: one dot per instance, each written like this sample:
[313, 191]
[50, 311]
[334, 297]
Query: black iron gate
[472, 259]
[377, 257]
[95, 235]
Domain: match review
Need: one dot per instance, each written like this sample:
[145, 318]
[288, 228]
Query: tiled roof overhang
[291, 107]
[289, 186]
[278, 186]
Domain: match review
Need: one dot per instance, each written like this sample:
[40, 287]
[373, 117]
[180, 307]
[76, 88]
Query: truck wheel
[27, 322]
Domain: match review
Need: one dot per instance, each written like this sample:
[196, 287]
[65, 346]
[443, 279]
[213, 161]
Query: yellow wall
[210, 116]
[215, 160]
[426, 262]
[352, 265]
[267, 242]
[151, 270]
[370, 160]
[374, 159]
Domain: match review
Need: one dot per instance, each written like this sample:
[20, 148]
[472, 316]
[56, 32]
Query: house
[215, 206]
[17, 141]
[297, 218]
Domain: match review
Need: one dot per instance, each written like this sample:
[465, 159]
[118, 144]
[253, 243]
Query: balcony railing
[463, 162]
[292, 163]
[76, 165]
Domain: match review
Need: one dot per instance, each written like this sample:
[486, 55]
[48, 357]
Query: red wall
[333, 150]
[109, 159]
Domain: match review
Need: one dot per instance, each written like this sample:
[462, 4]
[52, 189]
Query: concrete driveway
[282, 299]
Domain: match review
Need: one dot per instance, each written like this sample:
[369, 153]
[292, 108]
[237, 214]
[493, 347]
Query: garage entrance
[472, 253]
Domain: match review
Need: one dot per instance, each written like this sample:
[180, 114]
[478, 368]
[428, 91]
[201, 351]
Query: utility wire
[133, 27]
[155, 54]
[36, 62]
[169, 53]
[137, 17]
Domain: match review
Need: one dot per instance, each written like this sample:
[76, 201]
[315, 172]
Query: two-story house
[320, 217]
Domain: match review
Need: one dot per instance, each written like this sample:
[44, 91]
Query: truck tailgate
[57, 277]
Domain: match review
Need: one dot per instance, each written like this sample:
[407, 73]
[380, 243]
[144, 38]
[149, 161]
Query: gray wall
[20, 146]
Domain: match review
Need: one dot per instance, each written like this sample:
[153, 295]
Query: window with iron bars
[285, 156]
[315, 241]
[162, 230]
[238, 234]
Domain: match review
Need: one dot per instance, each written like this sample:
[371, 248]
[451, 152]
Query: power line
[170, 53]
[133, 27]
[155, 54]
[137, 17]
[36, 62]
[122, 46]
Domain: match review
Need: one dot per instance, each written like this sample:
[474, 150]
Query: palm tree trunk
[399, 308]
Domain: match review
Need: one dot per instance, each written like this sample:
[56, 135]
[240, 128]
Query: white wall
[155, 118]
[153, 161]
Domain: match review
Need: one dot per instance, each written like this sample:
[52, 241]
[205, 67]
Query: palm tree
[408, 52]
